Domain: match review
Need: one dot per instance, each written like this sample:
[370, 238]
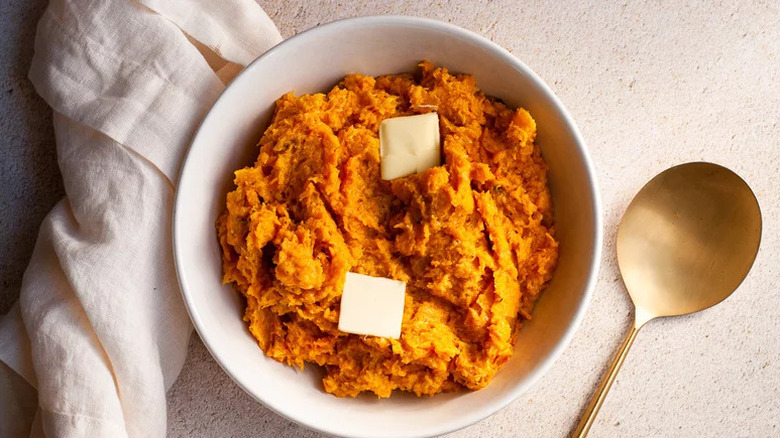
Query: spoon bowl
[685, 243]
[688, 239]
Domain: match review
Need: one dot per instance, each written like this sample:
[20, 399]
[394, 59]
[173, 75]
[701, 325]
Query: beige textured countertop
[651, 85]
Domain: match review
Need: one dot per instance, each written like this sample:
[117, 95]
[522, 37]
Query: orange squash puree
[472, 238]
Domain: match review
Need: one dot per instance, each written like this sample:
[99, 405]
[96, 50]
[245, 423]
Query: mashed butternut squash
[472, 238]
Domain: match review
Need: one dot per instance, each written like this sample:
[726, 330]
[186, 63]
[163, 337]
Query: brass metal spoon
[685, 243]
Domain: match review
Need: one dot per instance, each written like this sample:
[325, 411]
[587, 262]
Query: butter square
[372, 306]
[409, 145]
[398, 165]
[427, 159]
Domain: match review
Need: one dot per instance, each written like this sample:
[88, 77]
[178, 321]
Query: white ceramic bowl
[314, 61]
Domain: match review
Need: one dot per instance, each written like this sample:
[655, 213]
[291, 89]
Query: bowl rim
[582, 155]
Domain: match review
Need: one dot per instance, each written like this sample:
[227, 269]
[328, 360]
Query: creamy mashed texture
[472, 238]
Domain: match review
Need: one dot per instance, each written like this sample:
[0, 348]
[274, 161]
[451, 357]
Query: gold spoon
[686, 241]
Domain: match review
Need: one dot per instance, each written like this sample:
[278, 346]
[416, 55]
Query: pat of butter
[372, 306]
[409, 145]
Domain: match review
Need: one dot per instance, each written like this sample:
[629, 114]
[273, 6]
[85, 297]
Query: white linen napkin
[100, 329]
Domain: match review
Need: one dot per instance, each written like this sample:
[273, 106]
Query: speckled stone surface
[651, 85]
[30, 181]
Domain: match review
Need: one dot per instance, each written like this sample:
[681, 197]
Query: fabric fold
[136, 83]
[100, 329]
[222, 30]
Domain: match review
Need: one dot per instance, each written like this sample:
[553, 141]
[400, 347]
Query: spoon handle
[598, 398]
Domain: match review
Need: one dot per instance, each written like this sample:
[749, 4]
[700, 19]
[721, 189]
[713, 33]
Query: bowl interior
[315, 61]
